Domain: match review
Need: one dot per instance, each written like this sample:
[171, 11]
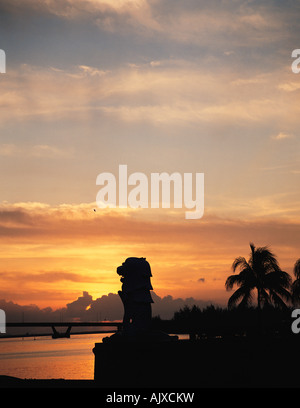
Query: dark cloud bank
[86, 309]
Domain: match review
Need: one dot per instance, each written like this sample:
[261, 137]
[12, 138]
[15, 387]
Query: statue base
[140, 363]
[210, 362]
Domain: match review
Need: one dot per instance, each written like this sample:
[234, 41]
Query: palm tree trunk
[259, 312]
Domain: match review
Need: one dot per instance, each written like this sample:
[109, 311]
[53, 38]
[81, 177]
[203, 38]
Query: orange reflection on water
[45, 358]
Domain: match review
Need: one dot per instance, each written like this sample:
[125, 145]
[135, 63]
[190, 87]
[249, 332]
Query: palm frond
[277, 279]
[231, 281]
[277, 298]
[297, 269]
[283, 293]
[246, 300]
[264, 296]
[242, 292]
[295, 289]
[252, 246]
[265, 260]
[239, 262]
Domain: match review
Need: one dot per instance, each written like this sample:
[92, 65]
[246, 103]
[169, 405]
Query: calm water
[44, 358]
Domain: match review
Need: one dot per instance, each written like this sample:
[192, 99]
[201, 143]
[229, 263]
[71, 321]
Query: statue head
[134, 266]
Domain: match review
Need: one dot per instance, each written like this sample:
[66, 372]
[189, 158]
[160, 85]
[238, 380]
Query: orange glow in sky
[161, 86]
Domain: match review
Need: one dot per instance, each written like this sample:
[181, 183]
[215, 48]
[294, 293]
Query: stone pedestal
[142, 364]
[215, 362]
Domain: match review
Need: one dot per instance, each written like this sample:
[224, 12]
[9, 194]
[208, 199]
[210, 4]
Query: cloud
[51, 252]
[199, 22]
[38, 151]
[289, 86]
[8, 149]
[282, 136]
[168, 93]
[80, 305]
[109, 15]
[86, 308]
[81, 220]
[46, 277]
[207, 82]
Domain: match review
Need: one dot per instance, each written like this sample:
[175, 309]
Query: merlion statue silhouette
[135, 294]
[136, 297]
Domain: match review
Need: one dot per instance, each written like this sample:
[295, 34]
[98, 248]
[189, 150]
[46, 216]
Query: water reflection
[43, 358]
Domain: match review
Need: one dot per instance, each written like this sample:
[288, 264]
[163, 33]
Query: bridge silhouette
[68, 325]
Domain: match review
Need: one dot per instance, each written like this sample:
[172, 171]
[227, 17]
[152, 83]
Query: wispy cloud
[282, 136]
[289, 86]
[160, 93]
[43, 151]
[198, 22]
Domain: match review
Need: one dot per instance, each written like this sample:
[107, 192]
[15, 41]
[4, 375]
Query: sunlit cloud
[72, 243]
[282, 136]
[289, 86]
[193, 85]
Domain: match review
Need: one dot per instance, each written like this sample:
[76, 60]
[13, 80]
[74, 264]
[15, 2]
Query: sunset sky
[162, 86]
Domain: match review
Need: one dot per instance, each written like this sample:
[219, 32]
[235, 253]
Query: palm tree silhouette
[261, 273]
[296, 284]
